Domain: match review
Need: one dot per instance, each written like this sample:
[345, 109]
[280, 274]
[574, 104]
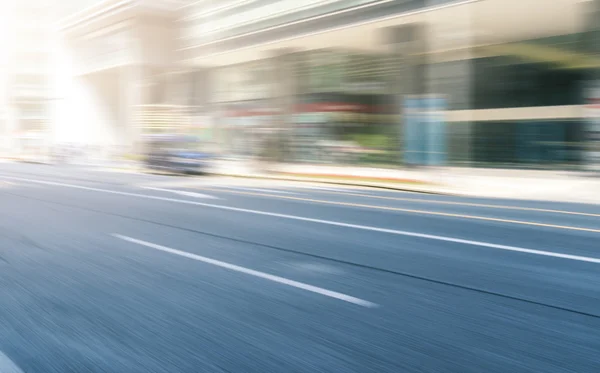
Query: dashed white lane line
[7, 365]
[328, 222]
[183, 193]
[251, 272]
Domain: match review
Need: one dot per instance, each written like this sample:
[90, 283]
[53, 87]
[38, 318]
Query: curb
[334, 182]
[356, 183]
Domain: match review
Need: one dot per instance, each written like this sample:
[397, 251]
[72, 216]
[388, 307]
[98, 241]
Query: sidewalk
[556, 186]
[563, 186]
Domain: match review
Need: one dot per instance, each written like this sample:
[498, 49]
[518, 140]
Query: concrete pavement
[264, 277]
[557, 186]
[566, 186]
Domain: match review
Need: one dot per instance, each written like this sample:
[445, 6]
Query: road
[122, 272]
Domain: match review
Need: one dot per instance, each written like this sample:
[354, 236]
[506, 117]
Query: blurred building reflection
[423, 82]
[506, 78]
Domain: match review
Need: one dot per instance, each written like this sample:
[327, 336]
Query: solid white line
[321, 188]
[251, 272]
[329, 222]
[7, 365]
[346, 190]
[252, 189]
[181, 192]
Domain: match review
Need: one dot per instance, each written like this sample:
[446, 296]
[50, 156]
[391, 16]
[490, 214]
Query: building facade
[488, 82]
[26, 74]
[116, 63]
[371, 82]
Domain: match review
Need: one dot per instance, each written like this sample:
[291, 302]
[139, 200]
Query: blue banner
[414, 144]
[425, 130]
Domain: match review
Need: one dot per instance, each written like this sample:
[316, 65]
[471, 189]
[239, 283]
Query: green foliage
[372, 141]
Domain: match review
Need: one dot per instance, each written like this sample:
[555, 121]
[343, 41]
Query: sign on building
[425, 130]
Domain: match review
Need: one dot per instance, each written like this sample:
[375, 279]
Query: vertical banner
[425, 130]
[435, 130]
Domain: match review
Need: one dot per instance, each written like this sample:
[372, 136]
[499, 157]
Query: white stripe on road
[328, 189]
[252, 189]
[7, 365]
[251, 272]
[329, 222]
[182, 193]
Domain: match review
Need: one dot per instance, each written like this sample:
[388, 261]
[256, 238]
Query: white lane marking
[252, 189]
[316, 268]
[7, 365]
[329, 222]
[251, 272]
[182, 192]
[176, 183]
[324, 188]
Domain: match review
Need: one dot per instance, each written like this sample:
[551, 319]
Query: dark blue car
[178, 154]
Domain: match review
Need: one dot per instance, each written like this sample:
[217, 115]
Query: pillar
[591, 47]
[283, 94]
[12, 129]
[218, 93]
[203, 105]
[404, 49]
[132, 82]
[449, 73]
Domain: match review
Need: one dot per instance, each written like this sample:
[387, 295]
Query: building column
[591, 47]
[132, 82]
[174, 82]
[12, 129]
[449, 74]
[216, 89]
[201, 101]
[283, 94]
[405, 47]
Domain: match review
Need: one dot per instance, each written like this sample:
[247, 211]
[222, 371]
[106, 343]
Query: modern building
[488, 82]
[479, 82]
[5, 131]
[115, 62]
[25, 78]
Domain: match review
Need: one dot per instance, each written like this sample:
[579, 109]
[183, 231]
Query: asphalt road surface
[117, 272]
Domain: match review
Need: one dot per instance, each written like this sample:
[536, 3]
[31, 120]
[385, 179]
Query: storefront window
[326, 70]
[344, 114]
[247, 113]
[535, 144]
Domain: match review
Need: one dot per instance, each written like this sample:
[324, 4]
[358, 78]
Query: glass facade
[511, 80]
[479, 103]
[345, 111]
[341, 108]
[242, 94]
[536, 144]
